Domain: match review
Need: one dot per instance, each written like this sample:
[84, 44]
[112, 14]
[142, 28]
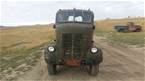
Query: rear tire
[51, 69]
[94, 69]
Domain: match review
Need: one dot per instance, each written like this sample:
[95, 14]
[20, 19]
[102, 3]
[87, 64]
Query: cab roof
[75, 10]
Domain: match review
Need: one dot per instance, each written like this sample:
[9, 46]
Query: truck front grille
[72, 44]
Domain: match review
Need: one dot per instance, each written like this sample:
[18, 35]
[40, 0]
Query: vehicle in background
[129, 27]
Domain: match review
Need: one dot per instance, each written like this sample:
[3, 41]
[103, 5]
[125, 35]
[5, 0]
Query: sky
[43, 12]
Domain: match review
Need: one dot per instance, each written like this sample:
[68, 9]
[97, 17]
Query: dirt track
[120, 64]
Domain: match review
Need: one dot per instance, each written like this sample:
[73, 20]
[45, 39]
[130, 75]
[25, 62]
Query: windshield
[74, 16]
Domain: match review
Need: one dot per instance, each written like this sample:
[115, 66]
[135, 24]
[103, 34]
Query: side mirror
[54, 26]
[93, 27]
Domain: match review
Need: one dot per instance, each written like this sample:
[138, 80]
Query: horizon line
[44, 23]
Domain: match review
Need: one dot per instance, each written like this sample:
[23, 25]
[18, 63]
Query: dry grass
[22, 45]
[32, 36]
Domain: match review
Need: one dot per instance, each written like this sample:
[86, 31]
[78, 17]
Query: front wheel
[51, 69]
[94, 69]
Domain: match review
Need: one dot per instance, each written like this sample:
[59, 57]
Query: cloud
[30, 12]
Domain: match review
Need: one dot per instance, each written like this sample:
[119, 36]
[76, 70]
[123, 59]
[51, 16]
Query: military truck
[74, 45]
[129, 27]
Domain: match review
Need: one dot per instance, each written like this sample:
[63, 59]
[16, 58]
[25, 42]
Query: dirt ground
[120, 64]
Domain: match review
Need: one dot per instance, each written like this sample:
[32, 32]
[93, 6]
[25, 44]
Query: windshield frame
[74, 11]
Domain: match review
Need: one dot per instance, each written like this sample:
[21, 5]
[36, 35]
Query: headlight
[51, 49]
[94, 50]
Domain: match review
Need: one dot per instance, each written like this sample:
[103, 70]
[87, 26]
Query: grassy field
[21, 46]
[106, 29]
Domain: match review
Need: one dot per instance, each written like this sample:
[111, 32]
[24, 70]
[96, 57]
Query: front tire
[94, 69]
[51, 69]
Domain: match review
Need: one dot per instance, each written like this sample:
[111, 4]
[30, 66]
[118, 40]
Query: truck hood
[74, 27]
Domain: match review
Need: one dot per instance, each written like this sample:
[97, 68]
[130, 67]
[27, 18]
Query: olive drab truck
[74, 46]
